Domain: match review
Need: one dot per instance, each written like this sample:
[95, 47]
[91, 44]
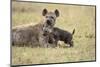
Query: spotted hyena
[36, 35]
[61, 35]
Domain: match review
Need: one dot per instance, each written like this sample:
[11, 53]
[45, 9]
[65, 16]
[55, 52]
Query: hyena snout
[49, 22]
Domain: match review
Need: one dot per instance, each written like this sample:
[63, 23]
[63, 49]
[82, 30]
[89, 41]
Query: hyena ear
[57, 13]
[44, 12]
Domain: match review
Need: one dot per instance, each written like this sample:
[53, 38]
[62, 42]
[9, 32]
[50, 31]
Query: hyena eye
[52, 17]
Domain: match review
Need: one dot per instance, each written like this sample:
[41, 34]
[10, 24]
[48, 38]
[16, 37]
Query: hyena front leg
[42, 42]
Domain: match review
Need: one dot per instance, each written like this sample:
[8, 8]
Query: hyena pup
[62, 35]
[36, 35]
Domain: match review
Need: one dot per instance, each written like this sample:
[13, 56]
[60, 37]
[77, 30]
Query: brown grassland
[82, 18]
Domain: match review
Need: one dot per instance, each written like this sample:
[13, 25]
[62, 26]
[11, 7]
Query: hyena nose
[48, 22]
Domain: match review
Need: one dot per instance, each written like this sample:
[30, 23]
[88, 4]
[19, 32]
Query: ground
[82, 18]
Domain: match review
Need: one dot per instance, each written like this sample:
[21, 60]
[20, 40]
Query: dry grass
[82, 18]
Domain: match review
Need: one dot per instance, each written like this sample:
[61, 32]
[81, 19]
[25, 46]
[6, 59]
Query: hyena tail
[73, 31]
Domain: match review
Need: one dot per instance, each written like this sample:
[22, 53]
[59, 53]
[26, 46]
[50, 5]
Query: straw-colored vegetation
[82, 18]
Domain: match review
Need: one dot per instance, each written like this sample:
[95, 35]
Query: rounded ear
[57, 13]
[44, 12]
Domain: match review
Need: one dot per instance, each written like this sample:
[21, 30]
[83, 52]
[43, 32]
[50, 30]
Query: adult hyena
[36, 35]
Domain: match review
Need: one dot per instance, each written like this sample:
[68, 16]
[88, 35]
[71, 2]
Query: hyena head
[49, 20]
